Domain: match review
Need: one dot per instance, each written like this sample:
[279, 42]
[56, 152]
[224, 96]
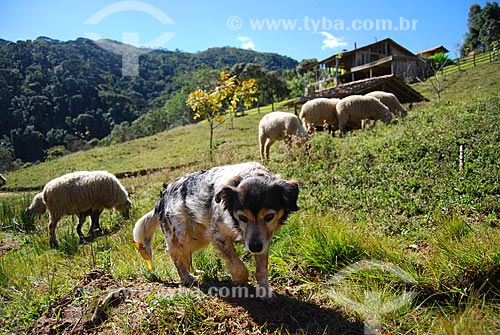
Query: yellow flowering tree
[207, 104]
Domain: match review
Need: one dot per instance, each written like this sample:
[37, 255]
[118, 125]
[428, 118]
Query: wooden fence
[488, 56]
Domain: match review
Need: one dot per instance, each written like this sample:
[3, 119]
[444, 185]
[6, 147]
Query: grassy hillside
[181, 146]
[393, 194]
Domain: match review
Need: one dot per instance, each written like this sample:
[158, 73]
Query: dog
[233, 203]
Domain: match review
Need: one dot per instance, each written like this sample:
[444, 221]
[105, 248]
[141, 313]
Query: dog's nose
[255, 247]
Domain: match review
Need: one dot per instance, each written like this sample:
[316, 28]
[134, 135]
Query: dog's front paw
[190, 280]
[240, 277]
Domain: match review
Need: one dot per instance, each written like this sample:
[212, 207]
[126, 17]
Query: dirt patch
[69, 314]
[6, 246]
[100, 304]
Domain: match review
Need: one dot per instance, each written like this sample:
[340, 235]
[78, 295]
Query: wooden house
[432, 51]
[384, 57]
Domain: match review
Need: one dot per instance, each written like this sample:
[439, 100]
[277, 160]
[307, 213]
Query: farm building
[432, 51]
[381, 58]
[381, 66]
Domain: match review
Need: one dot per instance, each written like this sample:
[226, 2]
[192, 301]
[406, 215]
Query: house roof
[434, 50]
[388, 83]
[348, 53]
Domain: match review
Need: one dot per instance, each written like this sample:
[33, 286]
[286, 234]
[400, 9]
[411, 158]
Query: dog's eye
[242, 218]
[269, 217]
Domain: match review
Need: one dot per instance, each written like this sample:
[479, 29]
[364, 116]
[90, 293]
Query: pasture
[392, 232]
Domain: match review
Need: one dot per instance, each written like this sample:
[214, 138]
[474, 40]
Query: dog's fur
[242, 202]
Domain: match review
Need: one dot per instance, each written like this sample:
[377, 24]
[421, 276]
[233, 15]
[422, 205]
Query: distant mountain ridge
[58, 92]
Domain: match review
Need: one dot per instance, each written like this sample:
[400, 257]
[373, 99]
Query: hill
[73, 93]
[396, 195]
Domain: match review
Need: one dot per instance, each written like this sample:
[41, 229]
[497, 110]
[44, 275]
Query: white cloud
[332, 42]
[246, 42]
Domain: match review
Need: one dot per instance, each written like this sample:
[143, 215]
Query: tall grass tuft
[327, 245]
[14, 214]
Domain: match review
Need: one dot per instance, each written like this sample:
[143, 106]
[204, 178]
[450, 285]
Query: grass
[468, 62]
[393, 194]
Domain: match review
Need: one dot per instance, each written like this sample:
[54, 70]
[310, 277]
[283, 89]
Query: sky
[299, 29]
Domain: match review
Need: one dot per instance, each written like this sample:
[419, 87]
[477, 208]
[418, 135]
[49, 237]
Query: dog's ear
[290, 194]
[228, 195]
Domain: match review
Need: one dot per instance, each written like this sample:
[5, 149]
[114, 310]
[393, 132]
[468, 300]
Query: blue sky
[304, 29]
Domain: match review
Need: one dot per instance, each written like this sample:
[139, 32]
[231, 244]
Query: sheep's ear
[228, 196]
[290, 194]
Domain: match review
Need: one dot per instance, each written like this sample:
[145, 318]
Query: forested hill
[61, 93]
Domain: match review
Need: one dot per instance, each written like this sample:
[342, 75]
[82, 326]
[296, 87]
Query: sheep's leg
[332, 128]
[95, 228]
[81, 221]
[343, 126]
[262, 141]
[310, 128]
[267, 145]
[261, 145]
[52, 232]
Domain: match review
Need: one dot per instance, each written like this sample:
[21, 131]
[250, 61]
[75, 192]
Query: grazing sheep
[318, 112]
[277, 126]
[391, 102]
[353, 109]
[82, 193]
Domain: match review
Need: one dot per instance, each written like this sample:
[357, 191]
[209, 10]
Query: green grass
[468, 62]
[392, 193]
[180, 147]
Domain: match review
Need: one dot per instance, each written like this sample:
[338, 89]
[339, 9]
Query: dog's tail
[143, 233]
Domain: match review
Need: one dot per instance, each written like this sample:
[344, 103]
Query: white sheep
[391, 102]
[318, 112]
[353, 109]
[82, 193]
[278, 126]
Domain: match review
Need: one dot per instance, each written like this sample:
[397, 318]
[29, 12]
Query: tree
[244, 96]
[7, 159]
[272, 84]
[483, 27]
[297, 85]
[437, 63]
[78, 89]
[27, 144]
[307, 65]
[207, 103]
[490, 28]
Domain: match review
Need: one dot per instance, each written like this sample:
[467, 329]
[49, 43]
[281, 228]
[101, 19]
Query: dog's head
[259, 205]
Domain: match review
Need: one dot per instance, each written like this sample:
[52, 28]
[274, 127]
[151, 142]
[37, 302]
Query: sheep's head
[124, 208]
[37, 205]
[386, 116]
